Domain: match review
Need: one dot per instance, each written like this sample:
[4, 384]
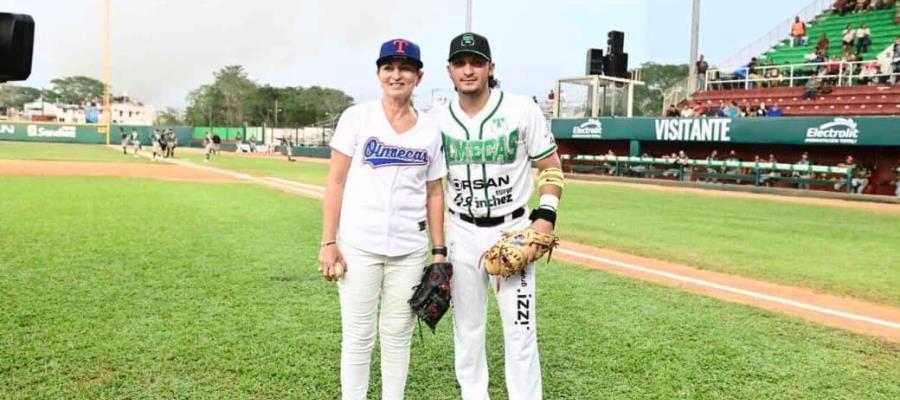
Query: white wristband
[549, 201]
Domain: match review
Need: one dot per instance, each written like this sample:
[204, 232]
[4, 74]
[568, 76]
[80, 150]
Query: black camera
[16, 46]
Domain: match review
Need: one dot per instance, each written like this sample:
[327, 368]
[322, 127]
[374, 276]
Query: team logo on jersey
[378, 154]
[497, 150]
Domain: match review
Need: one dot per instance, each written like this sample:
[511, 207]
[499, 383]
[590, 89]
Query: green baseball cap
[470, 42]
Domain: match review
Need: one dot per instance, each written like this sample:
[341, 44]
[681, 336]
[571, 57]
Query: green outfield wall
[82, 133]
[44, 132]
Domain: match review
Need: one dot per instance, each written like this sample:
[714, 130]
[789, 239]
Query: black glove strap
[442, 251]
[544, 214]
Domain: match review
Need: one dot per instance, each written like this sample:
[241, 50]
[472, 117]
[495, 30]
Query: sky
[163, 49]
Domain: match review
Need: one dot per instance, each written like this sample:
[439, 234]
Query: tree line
[232, 99]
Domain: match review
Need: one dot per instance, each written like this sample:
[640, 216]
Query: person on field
[383, 202]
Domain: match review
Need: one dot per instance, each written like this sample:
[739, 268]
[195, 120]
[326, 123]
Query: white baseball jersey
[384, 204]
[489, 156]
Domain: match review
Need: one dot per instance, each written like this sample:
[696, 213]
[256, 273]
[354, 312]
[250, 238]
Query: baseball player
[136, 141]
[155, 141]
[124, 140]
[383, 192]
[209, 146]
[288, 145]
[490, 140]
[171, 142]
[217, 141]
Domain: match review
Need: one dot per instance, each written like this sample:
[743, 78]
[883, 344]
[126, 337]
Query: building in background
[125, 110]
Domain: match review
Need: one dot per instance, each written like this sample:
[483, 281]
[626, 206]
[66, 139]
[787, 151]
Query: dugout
[873, 141]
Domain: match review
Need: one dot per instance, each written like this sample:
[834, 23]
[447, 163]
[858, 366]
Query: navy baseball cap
[399, 49]
[470, 43]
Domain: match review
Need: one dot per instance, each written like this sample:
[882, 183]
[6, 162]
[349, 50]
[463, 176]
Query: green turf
[834, 250]
[118, 288]
[300, 171]
[831, 249]
[64, 152]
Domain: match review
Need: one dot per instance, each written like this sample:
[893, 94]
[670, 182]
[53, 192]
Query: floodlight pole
[107, 74]
[695, 39]
[468, 15]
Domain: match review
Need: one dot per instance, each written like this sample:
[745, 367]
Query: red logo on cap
[401, 45]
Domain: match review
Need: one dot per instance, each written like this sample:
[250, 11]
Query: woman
[384, 189]
[863, 39]
[847, 38]
[822, 45]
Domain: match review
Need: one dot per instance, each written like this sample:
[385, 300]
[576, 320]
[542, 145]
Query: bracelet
[439, 251]
[328, 243]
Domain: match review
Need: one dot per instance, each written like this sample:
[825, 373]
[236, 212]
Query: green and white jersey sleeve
[489, 155]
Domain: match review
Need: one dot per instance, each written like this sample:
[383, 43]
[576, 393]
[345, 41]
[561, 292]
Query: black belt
[487, 222]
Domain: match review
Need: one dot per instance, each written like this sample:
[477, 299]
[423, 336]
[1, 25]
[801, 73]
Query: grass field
[300, 171]
[833, 250]
[119, 288]
[63, 152]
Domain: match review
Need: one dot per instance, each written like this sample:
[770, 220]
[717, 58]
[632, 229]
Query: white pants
[371, 277]
[517, 303]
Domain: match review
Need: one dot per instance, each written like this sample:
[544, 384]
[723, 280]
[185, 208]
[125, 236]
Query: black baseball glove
[431, 298]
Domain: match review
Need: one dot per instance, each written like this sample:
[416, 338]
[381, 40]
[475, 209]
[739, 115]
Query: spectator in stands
[699, 109]
[832, 70]
[870, 73]
[762, 111]
[863, 39]
[702, 67]
[802, 170]
[847, 38]
[822, 45]
[840, 7]
[687, 111]
[672, 111]
[861, 6]
[753, 72]
[722, 110]
[811, 89]
[776, 111]
[798, 32]
[733, 111]
[772, 75]
[551, 96]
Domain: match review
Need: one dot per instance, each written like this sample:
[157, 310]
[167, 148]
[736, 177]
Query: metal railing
[683, 169]
[776, 35]
[675, 94]
[838, 73]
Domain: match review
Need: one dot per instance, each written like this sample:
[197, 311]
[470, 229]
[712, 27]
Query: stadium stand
[846, 88]
[838, 101]
[880, 22]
